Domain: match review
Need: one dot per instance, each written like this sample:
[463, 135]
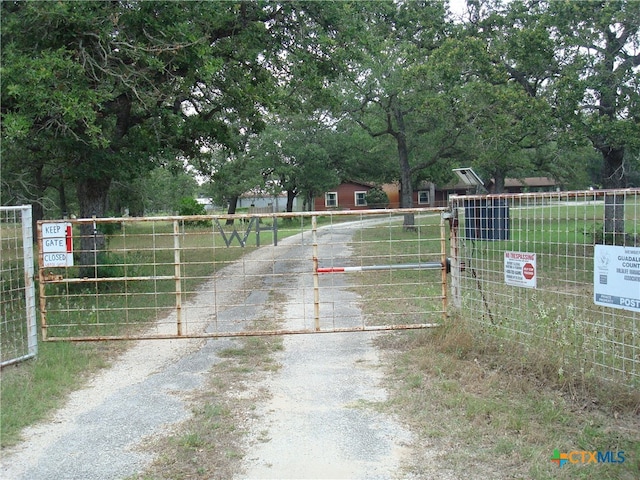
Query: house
[263, 202]
[352, 195]
[346, 196]
[426, 194]
[528, 184]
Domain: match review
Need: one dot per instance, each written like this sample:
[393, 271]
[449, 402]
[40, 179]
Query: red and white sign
[520, 269]
[528, 271]
[57, 245]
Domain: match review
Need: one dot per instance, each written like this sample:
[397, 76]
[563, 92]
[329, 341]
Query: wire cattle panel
[19, 339]
[232, 275]
[534, 276]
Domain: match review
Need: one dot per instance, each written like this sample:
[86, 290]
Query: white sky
[457, 7]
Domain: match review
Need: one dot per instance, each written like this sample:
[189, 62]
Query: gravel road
[317, 423]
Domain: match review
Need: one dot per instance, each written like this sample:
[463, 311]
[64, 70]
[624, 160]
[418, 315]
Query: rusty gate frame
[253, 220]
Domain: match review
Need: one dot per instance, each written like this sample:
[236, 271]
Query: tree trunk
[92, 196]
[291, 195]
[406, 186]
[613, 204]
[233, 204]
[37, 213]
[613, 157]
[498, 183]
[62, 194]
[37, 208]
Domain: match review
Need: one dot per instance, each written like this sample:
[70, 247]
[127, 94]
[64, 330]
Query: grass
[498, 417]
[497, 395]
[31, 390]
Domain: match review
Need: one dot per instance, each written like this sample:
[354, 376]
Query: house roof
[527, 182]
[357, 182]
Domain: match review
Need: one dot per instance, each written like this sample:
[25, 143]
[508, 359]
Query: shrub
[377, 198]
[190, 206]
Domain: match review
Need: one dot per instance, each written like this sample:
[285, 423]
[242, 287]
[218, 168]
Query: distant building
[263, 201]
[207, 202]
[352, 195]
[346, 196]
[528, 184]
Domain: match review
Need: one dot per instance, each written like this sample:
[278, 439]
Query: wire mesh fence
[557, 273]
[18, 334]
[207, 276]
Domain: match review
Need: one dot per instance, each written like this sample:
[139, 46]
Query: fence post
[316, 284]
[454, 246]
[41, 285]
[443, 258]
[176, 269]
[30, 301]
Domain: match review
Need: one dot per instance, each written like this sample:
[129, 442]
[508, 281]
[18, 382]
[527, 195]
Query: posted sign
[616, 277]
[520, 269]
[57, 245]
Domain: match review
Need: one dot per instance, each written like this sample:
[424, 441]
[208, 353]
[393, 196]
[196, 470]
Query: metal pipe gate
[266, 274]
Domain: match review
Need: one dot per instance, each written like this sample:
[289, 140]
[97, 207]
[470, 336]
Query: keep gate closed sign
[57, 245]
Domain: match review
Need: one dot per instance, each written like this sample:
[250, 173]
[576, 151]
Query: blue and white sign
[616, 277]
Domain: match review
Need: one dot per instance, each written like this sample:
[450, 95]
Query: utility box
[486, 219]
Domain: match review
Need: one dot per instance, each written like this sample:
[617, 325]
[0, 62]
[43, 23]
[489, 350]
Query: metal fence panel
[529, 276]
[18, 332]
[201, 276]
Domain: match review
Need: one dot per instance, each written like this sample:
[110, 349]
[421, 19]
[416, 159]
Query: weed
[499, 411]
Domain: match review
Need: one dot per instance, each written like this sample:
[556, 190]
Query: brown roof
[528, 182]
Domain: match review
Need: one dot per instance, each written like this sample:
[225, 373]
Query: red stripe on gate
[330, 269]
[69, 239]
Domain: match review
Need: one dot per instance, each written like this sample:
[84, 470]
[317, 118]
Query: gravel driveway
[318, 422]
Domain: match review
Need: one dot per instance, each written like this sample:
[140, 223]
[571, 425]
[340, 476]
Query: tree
[601, 91]
[296, 155]
[158, 191]
[502, 61]
[230, 175]
[599, 95]
[393, 95]
[107, 87]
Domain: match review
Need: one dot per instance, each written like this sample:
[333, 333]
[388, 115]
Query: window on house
[331, 199]
[361, 199]
[423, 197]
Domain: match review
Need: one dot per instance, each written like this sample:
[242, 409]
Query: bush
[377, 198]
[190, 206]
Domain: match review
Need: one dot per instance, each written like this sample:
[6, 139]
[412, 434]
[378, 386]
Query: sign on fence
[57, 245]
[520, 269]
[616, 277]
[196, 276]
